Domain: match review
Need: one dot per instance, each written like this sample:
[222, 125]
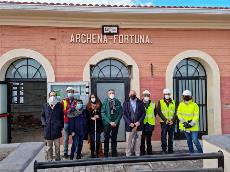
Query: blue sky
[210, 3]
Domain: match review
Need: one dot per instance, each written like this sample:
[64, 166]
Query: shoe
[170, 152]
[92, 156]
[149, 153]
[114, 154]
[78, 157]
[65, 155]
[163, 152]
[106, 155]
[142, 153]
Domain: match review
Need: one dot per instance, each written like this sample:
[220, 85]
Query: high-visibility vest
[150, 116]
[64, 104]
[188, 111]
[167, 111]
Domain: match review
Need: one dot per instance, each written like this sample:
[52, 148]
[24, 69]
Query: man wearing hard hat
[167, 112]
[188, 114]
[68, 104]
[149, 123]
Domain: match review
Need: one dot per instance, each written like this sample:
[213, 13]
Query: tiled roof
[102, 5]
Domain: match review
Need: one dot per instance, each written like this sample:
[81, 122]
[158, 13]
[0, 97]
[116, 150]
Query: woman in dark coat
[77, 128]
[93, 110]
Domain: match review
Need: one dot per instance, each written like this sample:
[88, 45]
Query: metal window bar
[121, 160]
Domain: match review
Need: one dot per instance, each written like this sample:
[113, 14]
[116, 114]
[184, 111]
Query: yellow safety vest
[167, 111]
[188, 111]
[64, 104]
[150, 117]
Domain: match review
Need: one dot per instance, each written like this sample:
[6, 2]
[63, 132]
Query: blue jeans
[192, 137]
[167, 130]
[76, 145]
[66, 138]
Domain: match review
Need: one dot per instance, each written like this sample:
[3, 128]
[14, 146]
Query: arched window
[25, 68]
[189, 68]
[110, 68]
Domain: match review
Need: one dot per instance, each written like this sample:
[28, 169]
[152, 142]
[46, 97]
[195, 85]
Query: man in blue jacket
[133, 114]
[52, 119]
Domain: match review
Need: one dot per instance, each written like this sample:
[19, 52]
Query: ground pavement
[179, 147]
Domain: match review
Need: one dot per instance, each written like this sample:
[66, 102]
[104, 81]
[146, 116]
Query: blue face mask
[79, 105]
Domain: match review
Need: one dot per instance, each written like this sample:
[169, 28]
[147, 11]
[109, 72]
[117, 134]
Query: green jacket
[105, 112]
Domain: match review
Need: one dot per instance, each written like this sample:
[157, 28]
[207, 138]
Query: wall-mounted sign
[91, 38]
[110, 29]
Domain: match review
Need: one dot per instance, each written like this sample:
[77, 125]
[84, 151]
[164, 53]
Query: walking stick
[95, 136]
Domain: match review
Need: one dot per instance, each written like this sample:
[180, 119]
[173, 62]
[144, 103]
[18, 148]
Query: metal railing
[148, 158]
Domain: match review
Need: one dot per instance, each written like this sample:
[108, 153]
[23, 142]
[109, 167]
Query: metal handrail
[120, 160]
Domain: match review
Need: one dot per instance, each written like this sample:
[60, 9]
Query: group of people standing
[139, 116]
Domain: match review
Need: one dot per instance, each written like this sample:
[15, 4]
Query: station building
[119, 47]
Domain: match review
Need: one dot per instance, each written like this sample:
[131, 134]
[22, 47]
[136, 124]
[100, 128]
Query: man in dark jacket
[52, 119]
[111, 113]
[133, 114]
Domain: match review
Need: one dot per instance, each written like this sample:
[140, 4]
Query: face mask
[146, 99]
[187, 98]
[93, 100]
[52, 100]
[79, 105]
[70, 95]
[133, 96]
[111, 96]
[167, 97]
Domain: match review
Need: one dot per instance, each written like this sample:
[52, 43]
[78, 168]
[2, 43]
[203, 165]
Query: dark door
[27, 89]
[111, 74]
[190, 74]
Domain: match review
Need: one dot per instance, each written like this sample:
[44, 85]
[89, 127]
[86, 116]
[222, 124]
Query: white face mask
[52, 100]
[146, 99]
[167, 97]
[93, 100]
[70, 95]
[111, 96]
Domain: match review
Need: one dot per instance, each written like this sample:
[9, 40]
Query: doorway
[27, 88]
[190, 74]
[111, 74]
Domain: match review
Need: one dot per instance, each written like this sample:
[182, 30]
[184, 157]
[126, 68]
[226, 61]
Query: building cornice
[94, 17]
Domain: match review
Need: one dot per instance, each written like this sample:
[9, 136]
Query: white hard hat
[187, 93]
[166, 91]
[146, 92]
[69, 89]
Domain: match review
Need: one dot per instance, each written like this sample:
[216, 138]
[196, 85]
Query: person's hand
[93, 118]
[137, 124]
[131, 125]
[73, 133]
[96, 116]
[134, 129]
[188, 126]
[113, 124]
[170, 123]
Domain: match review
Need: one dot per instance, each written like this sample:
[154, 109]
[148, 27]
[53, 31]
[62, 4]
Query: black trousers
[146, 137]
[110, 132]
[92, 142]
